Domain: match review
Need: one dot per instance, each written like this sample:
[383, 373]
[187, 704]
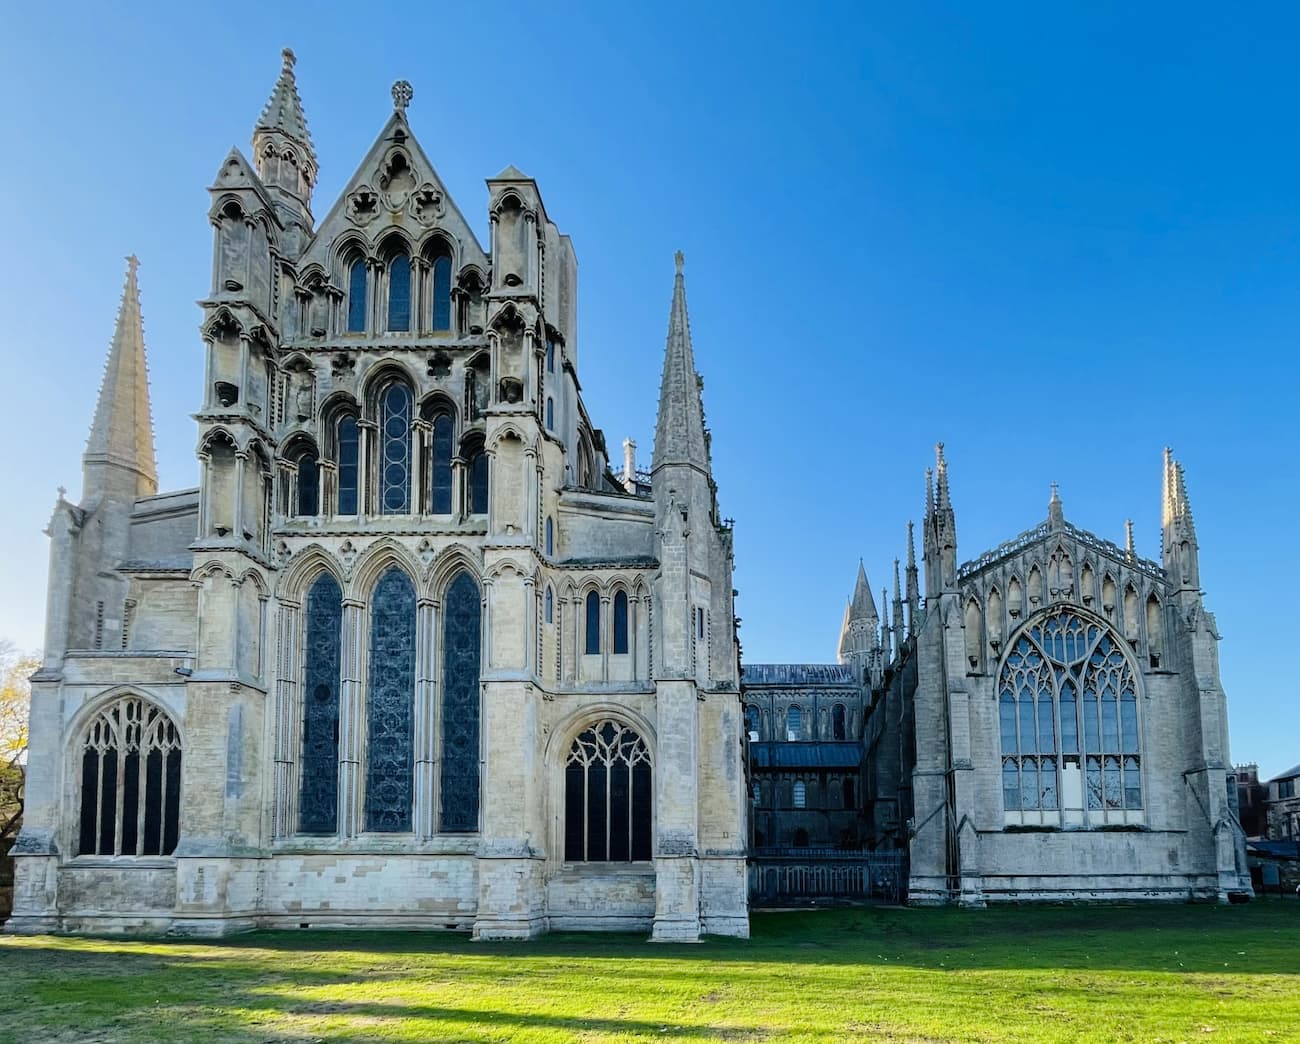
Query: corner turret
[283, 151]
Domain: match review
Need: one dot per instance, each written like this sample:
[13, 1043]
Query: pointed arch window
[441, 443]
[476, 467]
[390, 704]
[461, 659]
[608, 788]
[319, 799]
[348, 441]
[1041, 718]
[793, 724]
[395, 449]
[550, 414]
[399, 293]
[441, 317]
[357, 296]
[550, 536]
[550, 606]
[550, 355]
[307, 501]
[620, 623]
[592, 645]
[130, 782]
[751, 719]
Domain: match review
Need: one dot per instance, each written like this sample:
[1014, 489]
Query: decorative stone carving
[363, 205]
[426, 204]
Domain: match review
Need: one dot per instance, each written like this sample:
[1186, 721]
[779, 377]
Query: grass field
[1182, 973]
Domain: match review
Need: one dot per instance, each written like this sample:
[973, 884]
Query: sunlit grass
[1036, 974]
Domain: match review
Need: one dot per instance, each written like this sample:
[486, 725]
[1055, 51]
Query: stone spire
[940, 530]
[1130, 547]
[845, 652]
[282, 147]
[864, 606]
[913, 584]
[121, 436]
[884, 623]
[679, 433]
[899, 633]
[1178, 530]
[941, 499]
[1055, 509]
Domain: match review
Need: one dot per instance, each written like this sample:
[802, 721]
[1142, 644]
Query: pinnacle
[679, 431]
[864, 606]
[283, 111]
[122, 431]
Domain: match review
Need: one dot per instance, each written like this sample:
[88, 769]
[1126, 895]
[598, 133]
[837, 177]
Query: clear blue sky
[1055, 239]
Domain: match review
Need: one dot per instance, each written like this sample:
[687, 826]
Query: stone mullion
[421, 448]
[286, 723]
[351, 720]
[425, 785]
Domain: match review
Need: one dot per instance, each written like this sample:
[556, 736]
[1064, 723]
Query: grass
[1184, 973]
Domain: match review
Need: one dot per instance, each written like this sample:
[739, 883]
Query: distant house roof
[1274, 849]
[1292, 773]
[806, 755]
[797, 674]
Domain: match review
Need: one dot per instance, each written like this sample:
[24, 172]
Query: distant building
[1252, 799]
[1284, 806]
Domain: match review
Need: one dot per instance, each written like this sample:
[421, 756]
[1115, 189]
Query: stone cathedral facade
[410, 654]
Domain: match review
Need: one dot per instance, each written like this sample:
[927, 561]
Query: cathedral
[417, 653]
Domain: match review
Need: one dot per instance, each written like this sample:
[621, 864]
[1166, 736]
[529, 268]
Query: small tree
[15, 705]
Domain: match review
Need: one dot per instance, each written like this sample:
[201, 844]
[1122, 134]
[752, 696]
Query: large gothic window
[1069, 725]
[130, 782]
[357, 296]
[607, 796]
[318, 805]
[395, 449]
[390, 704]
[349, 445]
[399, 293]
[461, 656]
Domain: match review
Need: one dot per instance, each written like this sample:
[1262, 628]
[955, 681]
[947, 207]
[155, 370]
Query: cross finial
[679, 259]
[62, 492]
[289, 59]
[402, 95]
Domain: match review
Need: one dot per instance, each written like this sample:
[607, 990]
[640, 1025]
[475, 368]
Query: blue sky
[1055, 239]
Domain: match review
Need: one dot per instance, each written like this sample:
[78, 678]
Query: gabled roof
[1292, 773]
[791, 674]
[806, 755]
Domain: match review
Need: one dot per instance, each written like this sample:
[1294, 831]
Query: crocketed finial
[289, 59]
[403, 92]
[679, 259]
[132, 263]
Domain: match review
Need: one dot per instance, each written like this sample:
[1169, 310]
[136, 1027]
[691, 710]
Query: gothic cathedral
[410, 654]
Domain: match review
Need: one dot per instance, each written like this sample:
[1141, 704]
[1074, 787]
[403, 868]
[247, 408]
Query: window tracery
[390, 704]
[130, 781]
[608, 784]
[1065, 677]
[318, 805]
[461, 658]
[348, 446]
[395, 449]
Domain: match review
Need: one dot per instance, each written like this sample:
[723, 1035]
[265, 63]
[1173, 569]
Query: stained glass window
[440, 465]
[390, 704]
[308, 485]
[607, 796]
[318, 806]
[130, 782]
[592, 645]
[348, 448]
[399, 293]
[461, 637]
[357, 296]
[550, 537]
[478, 482]
[1041, 713]
[620, 622]
[442, 294]
[550, 355]
[395, 449]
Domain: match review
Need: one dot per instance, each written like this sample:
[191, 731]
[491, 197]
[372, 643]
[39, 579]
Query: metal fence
[781, 875]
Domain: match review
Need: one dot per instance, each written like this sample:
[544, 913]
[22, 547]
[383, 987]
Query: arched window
[608, 787]
[390, 704]
[1045, 671]
[550, 355]
[308, 500]
[319, 801]
[461, 656]
[441, 294]
[550, 536]
[477, 467]
[592, 645]
[751, 719]
[793, 724]
[620, 622]
[348, 444]
[799, 799]
[357, 296]
[130, 781]
[550, 606]
[395, 450]
[399, 293]
[440, 465]
[550, 414]
[839, 722]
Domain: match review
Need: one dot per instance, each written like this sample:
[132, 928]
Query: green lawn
[1182, 973]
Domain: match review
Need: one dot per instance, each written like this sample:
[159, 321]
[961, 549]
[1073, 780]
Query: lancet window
[461, 658]
[591, 646]
[318, 805]
[130, 782]
[390, 704]
[608, 786]
[440, 455]
[476, 466]
[441, 305]
[347, 438]
[357, 296]
[395, 449]
[1069, 723]
[399, 292]
[620, 623]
